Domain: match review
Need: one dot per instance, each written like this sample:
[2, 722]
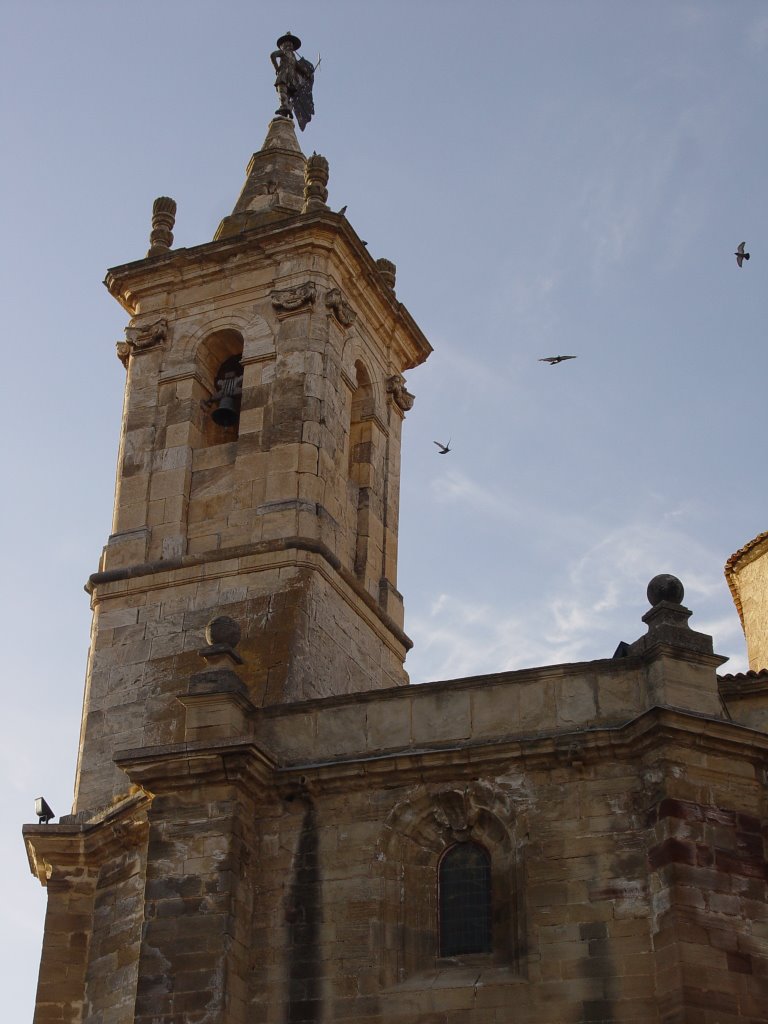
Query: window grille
[464, 889]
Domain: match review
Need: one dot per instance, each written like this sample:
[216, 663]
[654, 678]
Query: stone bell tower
[258, 474]
[256, 506]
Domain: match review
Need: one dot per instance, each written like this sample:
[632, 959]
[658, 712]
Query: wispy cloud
[507, 504]
[599, 602]
[757, 33]
[625, 192]
[455, 487]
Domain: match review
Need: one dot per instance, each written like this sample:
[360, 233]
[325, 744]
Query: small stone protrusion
[315, 181]
[163, 220]
[388, 272]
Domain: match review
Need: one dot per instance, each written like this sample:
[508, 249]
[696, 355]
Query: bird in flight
[444, 448]
[552, 360]
[740, 254]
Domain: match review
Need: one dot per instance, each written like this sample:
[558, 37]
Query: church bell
[226, 413]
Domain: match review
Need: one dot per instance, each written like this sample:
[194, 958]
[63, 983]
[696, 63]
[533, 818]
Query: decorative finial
[223, 636]
[315, 181]
[665, 588]
[295, 77]
[388, 272]
[163, 219]
[223, 631]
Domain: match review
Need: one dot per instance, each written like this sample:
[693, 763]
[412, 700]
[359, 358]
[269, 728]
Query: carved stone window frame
[419, 831]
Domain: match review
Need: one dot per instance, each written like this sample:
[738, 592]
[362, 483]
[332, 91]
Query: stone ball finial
[665, 587]
[223, 632]
[163, 220]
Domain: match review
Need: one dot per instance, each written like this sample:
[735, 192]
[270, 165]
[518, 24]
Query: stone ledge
[266, 547]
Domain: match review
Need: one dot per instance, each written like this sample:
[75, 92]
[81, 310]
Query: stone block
[179, 457]
[537, 706]
[440, 716]
[168, 483]
[388, 724]
[131, 517]
[340, 728]
[575, 702]
[179, 434]
[251, 421]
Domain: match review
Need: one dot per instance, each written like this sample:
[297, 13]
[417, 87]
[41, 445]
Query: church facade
[270, 825]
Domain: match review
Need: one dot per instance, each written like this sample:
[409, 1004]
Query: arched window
[222, 375]
[360, 466]
[359, 428]
[464, 897]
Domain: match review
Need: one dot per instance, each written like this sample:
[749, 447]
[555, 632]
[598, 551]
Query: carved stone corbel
[288, 300]
[141, 339]
[340, 308]
[402, 398]
[455, 814]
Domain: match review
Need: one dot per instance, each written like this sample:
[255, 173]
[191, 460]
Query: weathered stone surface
[747, 574]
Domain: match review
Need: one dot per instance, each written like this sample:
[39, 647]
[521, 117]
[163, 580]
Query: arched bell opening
[360, 466]
[222, 376]
[359, 431]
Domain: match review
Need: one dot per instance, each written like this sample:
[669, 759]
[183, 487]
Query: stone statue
[295, 77]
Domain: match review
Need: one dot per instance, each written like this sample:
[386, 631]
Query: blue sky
[548, 176]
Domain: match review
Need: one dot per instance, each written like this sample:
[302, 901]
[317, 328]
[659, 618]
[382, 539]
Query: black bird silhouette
[552, 360]
[740, 254]
[342, 211]
[444, 448]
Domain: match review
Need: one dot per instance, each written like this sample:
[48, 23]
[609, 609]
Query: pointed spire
[274, 183]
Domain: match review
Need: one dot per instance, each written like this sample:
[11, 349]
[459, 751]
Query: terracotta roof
[736, 677]
[731, 565]
[743, 685]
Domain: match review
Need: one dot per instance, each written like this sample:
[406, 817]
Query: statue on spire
[295, 77]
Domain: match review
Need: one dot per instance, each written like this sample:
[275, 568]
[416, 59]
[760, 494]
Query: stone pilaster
[199, 897]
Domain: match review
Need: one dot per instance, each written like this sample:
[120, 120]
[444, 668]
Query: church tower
[258, 475]
[252, 560]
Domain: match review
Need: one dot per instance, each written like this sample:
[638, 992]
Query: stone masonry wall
[304, 635]
[752, 582]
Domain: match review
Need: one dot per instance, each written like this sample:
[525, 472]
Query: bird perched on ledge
[552, 360]
[740, 254]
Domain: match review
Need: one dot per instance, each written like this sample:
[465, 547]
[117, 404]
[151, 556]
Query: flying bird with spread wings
[553, 360]
[444, 448]
[740, 254]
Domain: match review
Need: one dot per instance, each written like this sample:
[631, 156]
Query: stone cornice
[129, 283]
[165, 567]
[244, 761]
[76, 844]
[655, 728]
[183, 766]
